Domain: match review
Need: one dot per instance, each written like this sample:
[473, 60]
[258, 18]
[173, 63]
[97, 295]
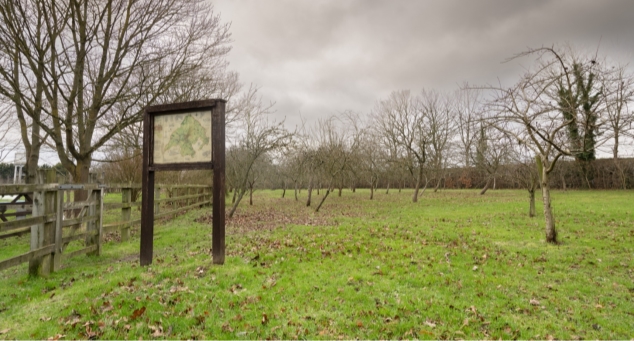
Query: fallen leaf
[534, 301]
[265, 319]
[430, 324]
[4, 331]
[137, 313]
[359, 324]
[475, 267]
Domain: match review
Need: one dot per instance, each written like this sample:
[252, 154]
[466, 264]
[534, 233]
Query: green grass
[454, 265]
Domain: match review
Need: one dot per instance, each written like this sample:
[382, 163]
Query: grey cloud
[323, 57]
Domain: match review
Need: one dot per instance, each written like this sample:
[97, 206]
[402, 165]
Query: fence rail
[54, 224]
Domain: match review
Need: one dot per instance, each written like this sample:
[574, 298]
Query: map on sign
[181, 138]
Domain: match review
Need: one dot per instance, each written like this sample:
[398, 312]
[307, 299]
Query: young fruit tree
[402, 122]
[256, 138]
[532, 113]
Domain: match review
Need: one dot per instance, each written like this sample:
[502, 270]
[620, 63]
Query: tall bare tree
[257, 137]
[87, 68]
[618, 91]
[530, 113]
[402, 123]
[468, 112]
[440, 128]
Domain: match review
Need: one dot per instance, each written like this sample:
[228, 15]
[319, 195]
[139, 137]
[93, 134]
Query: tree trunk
[425, 187]
[340, 189]
[310, 192]
[622, 179]
[387, 190]
[494, 183]
[417, 187]
[296, 199]
[235, 204]
[437, 185]
[323, 199]
[563, 182]
[531, 195]
[251, 195]
[486, 187]
[371, 190]
[551, 232]
[235, 193]
[284, 191]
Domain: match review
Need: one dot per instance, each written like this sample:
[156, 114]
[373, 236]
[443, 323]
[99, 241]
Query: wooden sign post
[184, 136]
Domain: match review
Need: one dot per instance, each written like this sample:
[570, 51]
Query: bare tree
[86, 69]
[524, 170]
[618, 91]
[440, 129]
[257, 137]
[530, 113]
[491, 153]
[468, 112]
[402, 123]
[338, 140]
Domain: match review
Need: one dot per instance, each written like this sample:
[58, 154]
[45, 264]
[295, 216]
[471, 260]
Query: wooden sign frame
[217, 163]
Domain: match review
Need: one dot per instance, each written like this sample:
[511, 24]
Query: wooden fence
[54, 219]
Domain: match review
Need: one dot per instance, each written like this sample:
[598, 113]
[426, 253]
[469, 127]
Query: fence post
[126, 200]
[99, 222]
[94, 227]
[59, 215]
[42, 234]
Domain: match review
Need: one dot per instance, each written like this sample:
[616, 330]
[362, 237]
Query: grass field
[454, 265]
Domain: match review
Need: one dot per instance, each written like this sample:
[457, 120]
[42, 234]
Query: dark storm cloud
[319, 58]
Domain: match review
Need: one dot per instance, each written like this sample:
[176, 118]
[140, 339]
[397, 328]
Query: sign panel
[182, 138]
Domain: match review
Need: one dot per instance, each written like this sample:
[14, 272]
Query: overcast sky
[319, 58]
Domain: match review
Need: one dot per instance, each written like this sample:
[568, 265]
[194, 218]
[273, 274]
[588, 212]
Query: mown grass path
[454, 265]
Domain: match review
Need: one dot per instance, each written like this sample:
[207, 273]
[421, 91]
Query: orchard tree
[618, 91]
[438, 110]
[530, 113]
[257, 138]
[401, 121]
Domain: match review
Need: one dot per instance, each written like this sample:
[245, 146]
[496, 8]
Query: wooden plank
[59, 217]
[16, 206]
[7, 263]
[126, 198]
[89, 249]
[99, 213]
[15, 224]
[78, 236]
[116, 205]
[81, 204]
[185, 106]
[218, 152]
[86, 219]
[26, 188]
[182, 197]
[16, 232]
[120, 186]
[182, 186]
[180, 209]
